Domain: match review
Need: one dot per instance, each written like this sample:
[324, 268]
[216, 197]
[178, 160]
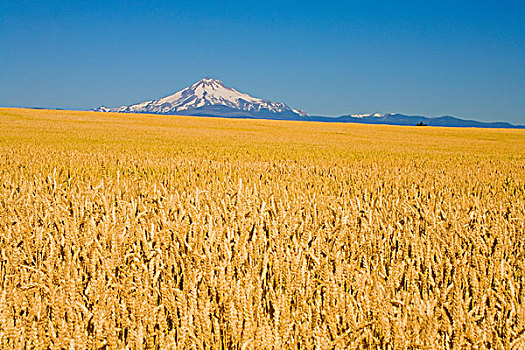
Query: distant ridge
[401, 119]
[211, 98]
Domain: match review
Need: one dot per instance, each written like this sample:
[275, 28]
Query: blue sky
[462, 58]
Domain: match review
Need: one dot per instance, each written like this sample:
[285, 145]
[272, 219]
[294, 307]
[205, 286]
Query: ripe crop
[139, 231]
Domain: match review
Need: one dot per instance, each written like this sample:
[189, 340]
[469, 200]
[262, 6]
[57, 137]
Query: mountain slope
[210, 97]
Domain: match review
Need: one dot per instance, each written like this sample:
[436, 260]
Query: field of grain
[138, 231]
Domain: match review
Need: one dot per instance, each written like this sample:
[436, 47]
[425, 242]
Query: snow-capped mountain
[210, 97]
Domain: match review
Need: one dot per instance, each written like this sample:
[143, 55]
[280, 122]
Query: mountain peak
[208, 82]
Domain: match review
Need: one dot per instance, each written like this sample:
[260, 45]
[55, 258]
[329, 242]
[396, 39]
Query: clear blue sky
[463, 58]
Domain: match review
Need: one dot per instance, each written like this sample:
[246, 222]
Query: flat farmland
[142, 231]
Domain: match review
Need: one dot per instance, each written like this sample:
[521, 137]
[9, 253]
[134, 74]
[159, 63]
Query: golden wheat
[137, 231]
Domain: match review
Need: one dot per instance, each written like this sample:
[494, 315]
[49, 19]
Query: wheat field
[123, 231]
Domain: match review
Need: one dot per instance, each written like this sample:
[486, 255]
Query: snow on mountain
[210, 97]
[102, 109]
[376, 115]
